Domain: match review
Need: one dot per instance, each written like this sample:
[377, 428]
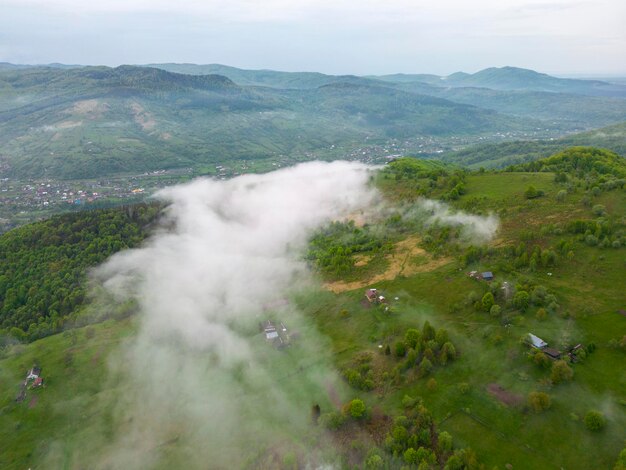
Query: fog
[474, 228]
[200, 374]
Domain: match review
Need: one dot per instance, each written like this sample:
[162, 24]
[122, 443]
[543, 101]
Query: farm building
[34, 373]
[270, 330]
[371, 295]
[485, 276]
[535, 341]
[277, 336]
[552, 353]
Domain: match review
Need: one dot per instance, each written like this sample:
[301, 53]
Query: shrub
[539, 401]
[425, 366]
[495, 311]
[488, 301]
[561, 372]
[594, 421]
[357, 408]
[521, 300]
[400, 349]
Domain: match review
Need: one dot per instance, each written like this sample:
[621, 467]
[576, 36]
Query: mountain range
[85, 121]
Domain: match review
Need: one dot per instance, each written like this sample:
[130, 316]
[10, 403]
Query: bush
[332, 420]
[594, 421]
[598, 210]
[521, 300]
[488, 301]
[357, 408]
[495, 311]
[400, 349]
[532, 193]
[425, 366]
[561, 372]
[539, 401]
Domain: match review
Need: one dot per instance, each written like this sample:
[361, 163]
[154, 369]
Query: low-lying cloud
[475, 228]
[199, 374]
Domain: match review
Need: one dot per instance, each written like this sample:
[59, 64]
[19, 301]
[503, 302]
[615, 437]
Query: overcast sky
[331, 36]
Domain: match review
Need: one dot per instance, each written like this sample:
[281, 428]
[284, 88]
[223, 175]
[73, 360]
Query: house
[536, 342]
[371, 295]
[37, 383]
[487, 276]
[552, 353]
[34, 373]
[270, 331]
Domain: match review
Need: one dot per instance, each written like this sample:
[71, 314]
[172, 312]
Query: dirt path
[508, 398]
[402, 261]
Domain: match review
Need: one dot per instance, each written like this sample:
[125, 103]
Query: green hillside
[440, 375]
[508, 153]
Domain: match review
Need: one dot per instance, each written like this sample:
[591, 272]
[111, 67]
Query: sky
[565, 37]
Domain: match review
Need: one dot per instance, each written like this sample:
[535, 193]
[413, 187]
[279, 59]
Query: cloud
[474, 228]
[200, 382]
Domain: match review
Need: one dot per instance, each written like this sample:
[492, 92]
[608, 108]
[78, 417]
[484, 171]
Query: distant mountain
[266, 78]
[573, 110]
[514, 78]
[95, 121]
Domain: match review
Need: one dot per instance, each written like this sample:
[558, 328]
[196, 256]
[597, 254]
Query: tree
[495, 310]
[410, 456]
[357, 408]
[374, 461]
[541, 314]
[428, 332]
[412, 337]
[425, 366]
[400, 349]
[488, 301]
[561, 372]
[539, 401]
[594, 421]
[521, 300]
[445, 441]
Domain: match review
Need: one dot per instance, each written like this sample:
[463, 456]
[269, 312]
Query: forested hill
[504, 154]
[94, 121]
[43, 265]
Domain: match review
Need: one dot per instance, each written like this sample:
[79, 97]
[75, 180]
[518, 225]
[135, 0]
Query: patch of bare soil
[142, 117]
[33, 402]
[406, 259]
[508, 398]
[362, 260]
[90, 108]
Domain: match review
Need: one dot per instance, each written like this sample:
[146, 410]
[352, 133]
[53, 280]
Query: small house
[487, 276]
[371, 295]
[37, 383]
[270, 330]
[536, 342]
[34, 373]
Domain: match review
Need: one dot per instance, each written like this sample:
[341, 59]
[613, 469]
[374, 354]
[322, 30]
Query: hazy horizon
[341, 37]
